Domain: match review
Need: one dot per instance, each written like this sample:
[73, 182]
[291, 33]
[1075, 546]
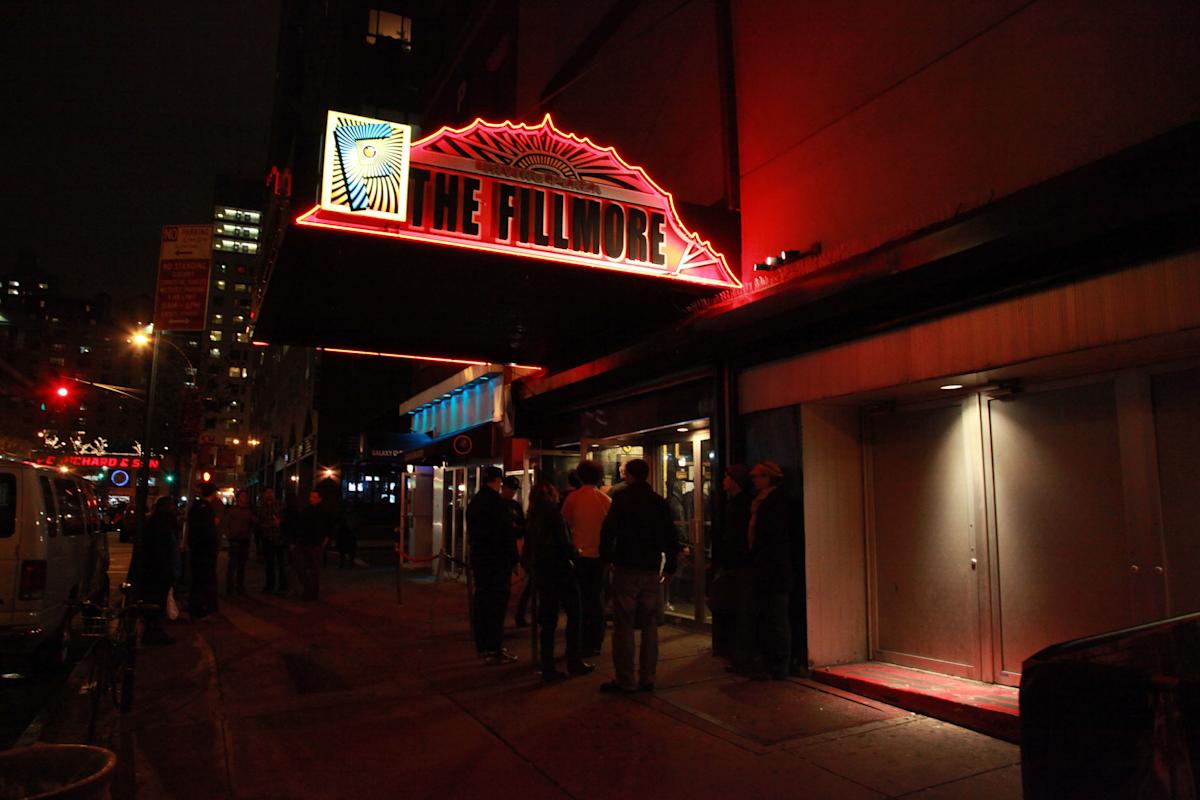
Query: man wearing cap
[493, 557]
[638, 538]
[771, 572]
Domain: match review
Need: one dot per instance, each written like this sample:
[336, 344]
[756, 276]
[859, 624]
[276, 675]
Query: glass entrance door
[681, 471]
[454, 498]
[684, 477]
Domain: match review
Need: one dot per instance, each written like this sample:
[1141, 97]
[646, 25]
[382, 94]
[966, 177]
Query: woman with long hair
[553, 555]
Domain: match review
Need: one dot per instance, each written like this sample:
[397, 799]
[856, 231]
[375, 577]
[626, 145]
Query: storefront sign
[122, 460]
[527, 191]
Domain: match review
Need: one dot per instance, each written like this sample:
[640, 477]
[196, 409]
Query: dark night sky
[117, 117]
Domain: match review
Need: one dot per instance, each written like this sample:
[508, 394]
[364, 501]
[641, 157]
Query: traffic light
[206, 476]
[169, 478]
[62, 391]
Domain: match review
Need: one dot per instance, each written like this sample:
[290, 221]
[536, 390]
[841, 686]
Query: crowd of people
[592, 550]
[288, 537]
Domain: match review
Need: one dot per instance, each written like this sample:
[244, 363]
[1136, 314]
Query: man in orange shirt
[585, 510]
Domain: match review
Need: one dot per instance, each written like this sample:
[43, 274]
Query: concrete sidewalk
[356, 696]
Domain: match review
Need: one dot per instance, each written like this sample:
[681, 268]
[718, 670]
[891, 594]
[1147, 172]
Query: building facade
[966, 324]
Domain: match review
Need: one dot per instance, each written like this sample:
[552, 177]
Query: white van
[53, 555]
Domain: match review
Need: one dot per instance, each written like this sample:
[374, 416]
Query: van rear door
[9, 510]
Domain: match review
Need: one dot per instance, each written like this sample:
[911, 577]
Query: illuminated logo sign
[366, 167]
[521, 190]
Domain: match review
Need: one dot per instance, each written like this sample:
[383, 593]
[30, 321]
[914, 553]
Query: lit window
[239, 319]
[243, 337]
[221, 284]
[215, 352]
[84, 349]
[218, 319]
[241, 287]
[43, 286]
[386, 25]
[214, 336]
[236, 372]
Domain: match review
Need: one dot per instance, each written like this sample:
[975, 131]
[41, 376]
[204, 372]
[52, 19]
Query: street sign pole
[143, 482]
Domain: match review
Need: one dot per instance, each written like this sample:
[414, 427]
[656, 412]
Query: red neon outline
[440, 359]
[307, 219]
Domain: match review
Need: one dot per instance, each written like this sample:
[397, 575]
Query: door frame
[976, 533]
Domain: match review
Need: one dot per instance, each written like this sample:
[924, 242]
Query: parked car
[53, 555]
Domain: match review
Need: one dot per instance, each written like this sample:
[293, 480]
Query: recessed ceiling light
[682, 430]
[951, 386]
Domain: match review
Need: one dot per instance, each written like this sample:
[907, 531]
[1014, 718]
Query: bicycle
[113, 655]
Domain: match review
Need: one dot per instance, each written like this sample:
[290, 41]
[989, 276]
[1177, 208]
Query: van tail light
[33, 580]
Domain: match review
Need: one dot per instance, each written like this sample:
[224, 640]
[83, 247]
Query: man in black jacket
[202, 553]
[638, 538]
[771, 571]
[493, 557]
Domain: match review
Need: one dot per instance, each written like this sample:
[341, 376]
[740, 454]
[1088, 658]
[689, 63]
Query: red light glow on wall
[533, 191]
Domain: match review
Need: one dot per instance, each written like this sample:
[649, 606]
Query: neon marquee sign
[529, 191]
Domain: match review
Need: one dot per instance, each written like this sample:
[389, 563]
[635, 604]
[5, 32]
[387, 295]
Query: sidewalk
[358, 697]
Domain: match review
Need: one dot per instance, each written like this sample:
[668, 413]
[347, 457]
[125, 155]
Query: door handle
[1134, 569]
[1159, 570]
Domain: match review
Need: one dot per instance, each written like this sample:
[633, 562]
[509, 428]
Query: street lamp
[140, 338]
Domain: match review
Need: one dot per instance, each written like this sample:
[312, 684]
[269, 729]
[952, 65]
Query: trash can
[58, 771]
[1115, 715]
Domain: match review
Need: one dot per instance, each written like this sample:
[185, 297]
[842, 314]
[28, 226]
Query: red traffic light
[62, 391]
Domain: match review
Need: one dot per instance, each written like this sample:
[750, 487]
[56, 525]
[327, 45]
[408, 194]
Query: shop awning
[343, 290]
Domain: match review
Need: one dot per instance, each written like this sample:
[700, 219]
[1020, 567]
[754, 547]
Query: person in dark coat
[270, 523]
[493, 559]
[551, 553]
[289, 534]
[730, 560]
[315, 531]
[347, 542]
[638, 539]
[771, 572]
[202, 553]
[508, 490]
[156, 572]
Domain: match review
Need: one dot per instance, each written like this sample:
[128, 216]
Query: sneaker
[582, 668]
[612, 687]
[504, 655]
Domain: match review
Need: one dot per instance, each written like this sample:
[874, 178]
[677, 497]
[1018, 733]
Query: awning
[334, 289]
